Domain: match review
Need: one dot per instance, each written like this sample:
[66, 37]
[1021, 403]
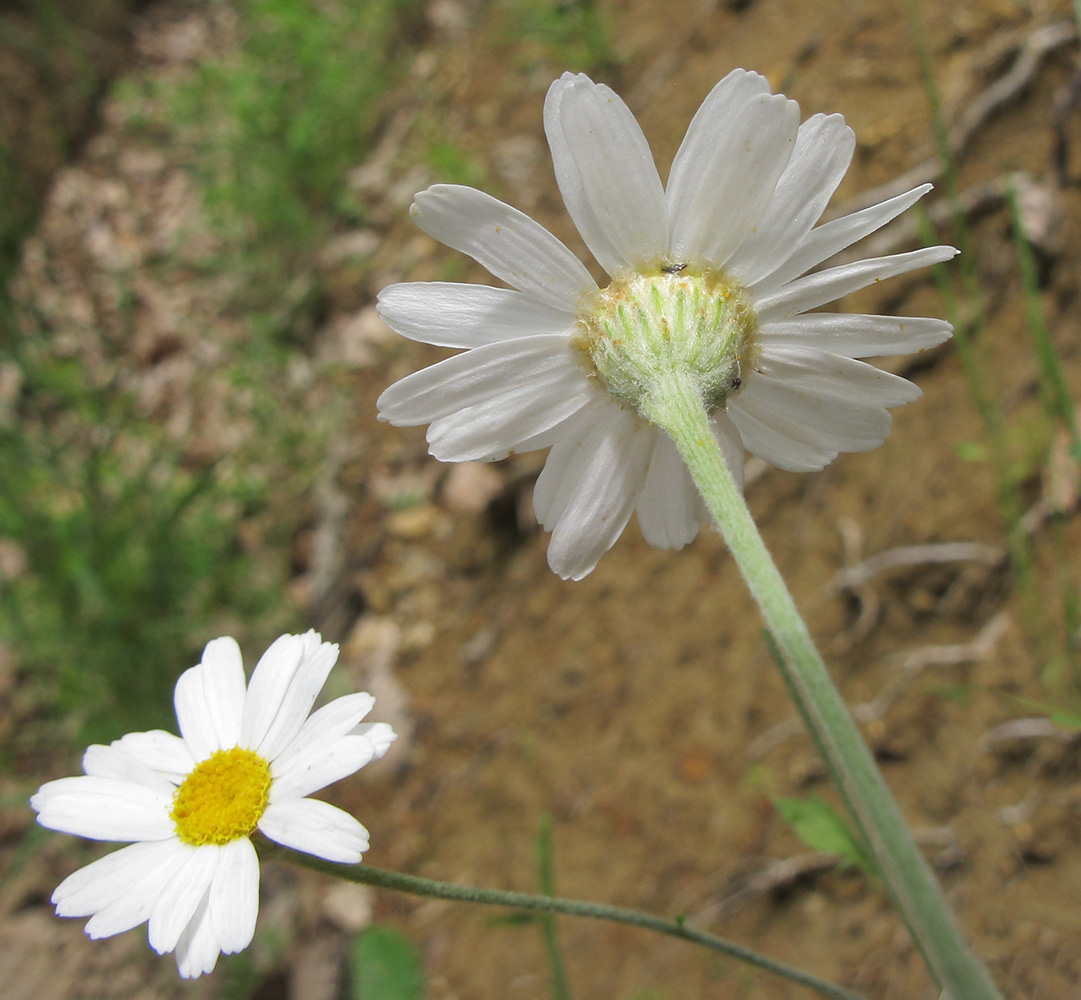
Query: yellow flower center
[680, 320]
[222, 799]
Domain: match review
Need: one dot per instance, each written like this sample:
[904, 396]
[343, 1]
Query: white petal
[118, 890]
[182, 897]
[602, 496]
[722, 180]
[115, 761]
[573, 426]
[223, 687]
[670, 510]
[380, 734]
[491, 430]
[234, 896]
[197, 949]
[775, 447]
[823, 151]
[311, 642]
[315, 827]
[507, 242]
[318, 660]
[714, 118]
[104, 809]
[856, 335]
[164, 752]
[606, 174]
[335, 718]
[832, 237]
[826, 375]
[813, 290]
[98, 884]
[209, 699]
[568, 458]
[192, 714]
[283, 689]
[319, 764]
[269, 682]
[472, 378]
[448, 314]
[821, 421]
[133, 906]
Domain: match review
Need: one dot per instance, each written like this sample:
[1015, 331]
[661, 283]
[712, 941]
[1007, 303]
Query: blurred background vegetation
[123, 550]
[120, 550]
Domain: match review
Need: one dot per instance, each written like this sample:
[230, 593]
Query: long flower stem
[417, 886]
[677, 408]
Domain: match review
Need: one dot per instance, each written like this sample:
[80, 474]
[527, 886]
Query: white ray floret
[246, 759]
[732, 238]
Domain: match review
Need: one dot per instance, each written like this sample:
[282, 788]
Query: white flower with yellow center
[709, 282]
[245, 760]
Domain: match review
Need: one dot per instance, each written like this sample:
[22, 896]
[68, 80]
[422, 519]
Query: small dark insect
[736, 383]
[673, 268]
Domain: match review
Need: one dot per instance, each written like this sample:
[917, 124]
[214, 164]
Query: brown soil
[634, 707]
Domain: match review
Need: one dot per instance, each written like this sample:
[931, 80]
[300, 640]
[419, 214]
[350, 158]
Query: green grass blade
[1054, 392]
[561, 989]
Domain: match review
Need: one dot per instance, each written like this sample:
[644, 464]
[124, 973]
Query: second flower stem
[677, 408]
[417, 886]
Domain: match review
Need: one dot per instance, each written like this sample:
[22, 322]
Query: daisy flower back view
[711, 284]
[187, 805]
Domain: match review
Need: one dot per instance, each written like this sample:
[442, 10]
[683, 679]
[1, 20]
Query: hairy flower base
[222, 798]
[680, 321]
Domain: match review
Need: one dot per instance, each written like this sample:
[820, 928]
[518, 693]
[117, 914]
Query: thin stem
[677, 408]
[416, 886]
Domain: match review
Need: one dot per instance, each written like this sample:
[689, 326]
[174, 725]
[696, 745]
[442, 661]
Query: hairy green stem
[416, 886]
[676, 406]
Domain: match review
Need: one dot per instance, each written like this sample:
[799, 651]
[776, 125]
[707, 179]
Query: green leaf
[518, 919]
[1066, 720]
[820, 828]
[960, 693]
[384, 965]
[1062, 719]
[971, 451]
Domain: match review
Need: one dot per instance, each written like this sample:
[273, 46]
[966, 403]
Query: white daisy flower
[246, 759]
[709, 274]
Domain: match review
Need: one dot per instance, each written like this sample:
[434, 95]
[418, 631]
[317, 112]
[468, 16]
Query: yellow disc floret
[679, 320]
[222, 799]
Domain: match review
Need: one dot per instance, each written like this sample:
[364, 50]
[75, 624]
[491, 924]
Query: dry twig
[1031, 54]
[906, 668]
[1030, 728]
[745, 889]
[854, 577]
[857, 575]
